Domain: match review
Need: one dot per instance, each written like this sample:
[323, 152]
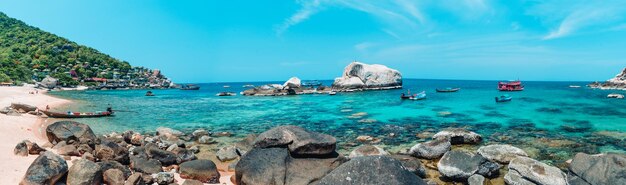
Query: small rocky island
[360, 76]
[619, 82]
[356, 77]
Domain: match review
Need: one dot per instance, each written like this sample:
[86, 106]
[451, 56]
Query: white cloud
[308, 9]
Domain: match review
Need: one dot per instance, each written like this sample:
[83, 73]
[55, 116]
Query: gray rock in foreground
[371, 170]
[48, 168]
[460, 165]
[501, 153]
[84, 172]
[70, 130]
[524, 170]
[299, 140]
[609, 169]
[431, 149]
[202, 170]
[458, 136]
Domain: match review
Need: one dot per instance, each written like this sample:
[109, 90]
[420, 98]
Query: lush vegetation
[28, 53]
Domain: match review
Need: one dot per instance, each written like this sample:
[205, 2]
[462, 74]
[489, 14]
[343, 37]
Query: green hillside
[28, 53]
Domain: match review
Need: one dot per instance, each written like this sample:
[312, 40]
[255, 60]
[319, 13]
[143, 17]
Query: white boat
[574, 86]
[332, 93]
[615, 95]
[226, 86]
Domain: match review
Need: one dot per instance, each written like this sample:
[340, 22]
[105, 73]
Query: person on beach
[47, 107]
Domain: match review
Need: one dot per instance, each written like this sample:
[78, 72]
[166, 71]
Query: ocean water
[548, 119]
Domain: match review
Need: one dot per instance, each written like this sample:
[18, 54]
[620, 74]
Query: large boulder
[359, 75]
[292, 83]
[49, 82]
[501, 153]
[113, 177]
[262, 166]
[108, 150]
[227, 153]
[460, 165]
[371, 170]
[299, 140]
[84, 172]
[458, 136]
[202, 170]
[609, 169]
[367, 150]
[33, 148]
[70, 130]
[23, 107]
[48, 168]
[412, 164]
[431, 149]
[150, 166]
[165, 157]
[524, 170]
[183, 155]
[107, 165]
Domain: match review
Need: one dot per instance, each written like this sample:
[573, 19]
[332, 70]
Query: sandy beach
[18, 128]
[30, 127]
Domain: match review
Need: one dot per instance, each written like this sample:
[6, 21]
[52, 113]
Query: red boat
[511, 86]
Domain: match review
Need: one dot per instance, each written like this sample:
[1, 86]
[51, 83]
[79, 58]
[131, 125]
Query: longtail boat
[76, 114]
[504, 98]
[448, 89]
[511, 86]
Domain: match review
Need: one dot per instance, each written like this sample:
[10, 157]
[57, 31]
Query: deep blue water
[534, 119]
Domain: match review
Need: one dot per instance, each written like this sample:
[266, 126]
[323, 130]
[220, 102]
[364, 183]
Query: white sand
[14, 129]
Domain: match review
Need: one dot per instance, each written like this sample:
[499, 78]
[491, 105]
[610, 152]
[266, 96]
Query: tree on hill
[28, 53]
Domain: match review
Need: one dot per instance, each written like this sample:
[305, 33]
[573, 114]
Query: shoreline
[24, 127]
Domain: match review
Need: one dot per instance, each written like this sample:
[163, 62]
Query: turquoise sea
[548, 119]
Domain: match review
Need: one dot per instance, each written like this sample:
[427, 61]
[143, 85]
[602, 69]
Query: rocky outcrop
[460, 165]
[524, 170]
[431, 149]
[412, 164]
[108, 150]
[364, 76]
[292, 83]
[298, 140]
[21, 149]
[618, 82]
[23, 107]
[227, 153]
[501, 153]
[367, 150]
[149, 166]
[458, 136]
[476, 180]
[609, 169]
[202, 170]
[371, 170]
[70, 130]
[48, 82]
[48, 168]
[163, 178]
[84, 172]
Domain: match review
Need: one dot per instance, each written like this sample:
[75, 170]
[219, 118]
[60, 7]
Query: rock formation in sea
[360, 76]
[293, 86]
[618, 82]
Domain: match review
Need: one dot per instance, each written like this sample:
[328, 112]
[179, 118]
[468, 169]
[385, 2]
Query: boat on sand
[76, 114]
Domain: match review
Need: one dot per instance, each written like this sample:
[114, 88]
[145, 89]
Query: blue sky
[221, 41]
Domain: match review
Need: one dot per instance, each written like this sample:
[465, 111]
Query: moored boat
[574, 86]
[76, 114]
[226, 94]
[419, 96]
[504, 98]
[311, 83]
[149, 93]
[615, 95]
[189, 87]
[332, 93]
[511, 86]
[449, 89]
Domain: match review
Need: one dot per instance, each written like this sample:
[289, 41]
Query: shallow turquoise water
[537, 112]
